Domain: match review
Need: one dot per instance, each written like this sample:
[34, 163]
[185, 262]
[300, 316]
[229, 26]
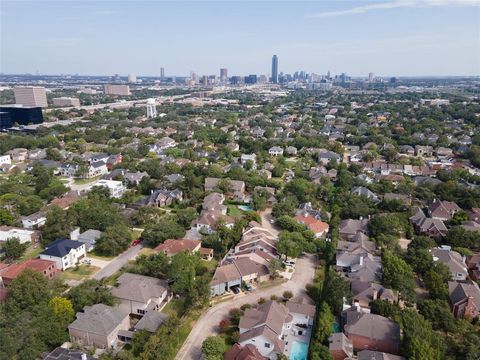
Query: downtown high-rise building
[30, 96]
[275, 69]
[223, 75]
[162, 74]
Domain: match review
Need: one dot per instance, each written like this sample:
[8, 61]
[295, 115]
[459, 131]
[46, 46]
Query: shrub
[287, 294]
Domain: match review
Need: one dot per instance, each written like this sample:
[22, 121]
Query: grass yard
[80, 181]
[32, 252]
[234, 211]
[93, 255]
[136, 233]
[270, 283]
[79, 273]
[146, 251]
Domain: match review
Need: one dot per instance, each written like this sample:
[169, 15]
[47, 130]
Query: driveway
[207, 324]
[117, 263]
[266, 216]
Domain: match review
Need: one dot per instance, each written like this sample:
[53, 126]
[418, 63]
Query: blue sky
[387, 37]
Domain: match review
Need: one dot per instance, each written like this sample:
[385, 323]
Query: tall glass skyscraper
[275, 69]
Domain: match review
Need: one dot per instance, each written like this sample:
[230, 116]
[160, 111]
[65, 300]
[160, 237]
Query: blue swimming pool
[244, 207]
[298, 351]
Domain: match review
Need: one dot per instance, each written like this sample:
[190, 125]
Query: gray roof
[99, 319]
[452, 259]
[377, 355]
[151, 321]
[67, 354]
[139, 288]
[461, 290]
[370, 326]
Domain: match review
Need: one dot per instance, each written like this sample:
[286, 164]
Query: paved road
[266, 216]
[208, 322]
[117, 263]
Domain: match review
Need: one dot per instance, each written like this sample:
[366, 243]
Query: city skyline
[388, 38]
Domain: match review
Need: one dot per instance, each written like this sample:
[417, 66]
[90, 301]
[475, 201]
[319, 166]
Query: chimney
[375, 293]
[361, 261]
[469, 308]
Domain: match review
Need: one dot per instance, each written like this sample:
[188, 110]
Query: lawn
[80, 181]
[93, 255]
[79, 273]
[234, 211]
[136, 233]
[147, 251]
[32, 252]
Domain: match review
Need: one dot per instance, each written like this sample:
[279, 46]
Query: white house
[65, 252]
[34, 221]
[275, 151]
[5, 159]
[116, 188]
[23, 235]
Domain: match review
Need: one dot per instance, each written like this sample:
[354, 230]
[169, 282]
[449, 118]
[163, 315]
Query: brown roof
[173, 246]
[248, 352]
[301, 308]
[371, 326]
[12, 271]
[270, 314]
[315, 225]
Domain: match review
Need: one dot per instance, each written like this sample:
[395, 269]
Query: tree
[13, 249]
[287, 294]
[274, 267]
[62, 309]
[90, 292]
[397, 274]
[319, 352]
[56, 226]
[438, 313]
[6, 218]
[28, 289]
[156, 234]
[182, 272]
[288, 247]
[213, 348]
[337, 288]
[114, 240]
[325, 322]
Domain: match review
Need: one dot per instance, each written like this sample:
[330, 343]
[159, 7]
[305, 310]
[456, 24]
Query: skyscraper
[371, 76]
[275, 69]
[162, 74]
[132, 78]
[223, 75]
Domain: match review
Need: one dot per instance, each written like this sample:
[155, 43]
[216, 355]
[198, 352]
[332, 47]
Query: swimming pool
[244, 207]
[298, 351]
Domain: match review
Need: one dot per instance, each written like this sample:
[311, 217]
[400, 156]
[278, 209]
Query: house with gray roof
[363, 191]
[377, 355]
[340, 346]
[350, 227]
[464, 299]
[453, 260]
[98, 326]
[140, 294]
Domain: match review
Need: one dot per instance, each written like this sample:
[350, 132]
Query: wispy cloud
[394, 5]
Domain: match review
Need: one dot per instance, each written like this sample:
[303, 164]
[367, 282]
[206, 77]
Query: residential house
[244, 158]
[139, 294]
[34, 221]
[69, 169]
[113, 160]
[377, 355]
[61, 353]
[473, 265]
[172, 247]
[47, 268]
[428, 226]
[96, 169]
[424, 151]
[350, 252]
[164, 197]
[247, 352]
[5, 159]
[370, 331]
[237, 188]
[88, 237]
[364, 293]
[318, 227]
[163, 144]
[256, 237]
[18, 154]
[275, 151]
[291, 150]
[464, 299]
[340, 346]
[134, 178]
[64, 252]
[453, 260]
[268, 327]
[326, 157]
[350, 227]
[98, 326]
[235, 271]
[368, 269]
[115, 188]
[443, 210]
[151, 321]
[23, 235]
[363, 191]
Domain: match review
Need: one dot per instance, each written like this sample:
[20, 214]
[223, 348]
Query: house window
[267, 345]
[140, 311]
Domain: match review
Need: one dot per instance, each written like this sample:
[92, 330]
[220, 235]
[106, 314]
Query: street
[207, 324]
[117, 263]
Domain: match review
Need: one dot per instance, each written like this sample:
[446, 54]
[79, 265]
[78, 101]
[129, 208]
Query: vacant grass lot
[78, 273]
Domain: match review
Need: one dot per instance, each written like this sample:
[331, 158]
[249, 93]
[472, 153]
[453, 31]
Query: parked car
[136, 242]
[248, 287]
[235, 290]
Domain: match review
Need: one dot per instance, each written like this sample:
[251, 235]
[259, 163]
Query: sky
[386, 37]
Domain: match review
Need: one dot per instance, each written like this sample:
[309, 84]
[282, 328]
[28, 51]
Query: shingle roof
[61, 247]
[371, 326]
[99, 319]
[377, 355]
[151, 321]
[139, 288]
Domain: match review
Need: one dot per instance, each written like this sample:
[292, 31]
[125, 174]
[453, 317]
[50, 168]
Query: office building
[151, 109]
[10, 115]
[371, 76]
[162, 74]
[122, 90]
[223, 75]
[30, 96]
[132, 79]
[251, 79]
[275, 69]
[66, 101]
